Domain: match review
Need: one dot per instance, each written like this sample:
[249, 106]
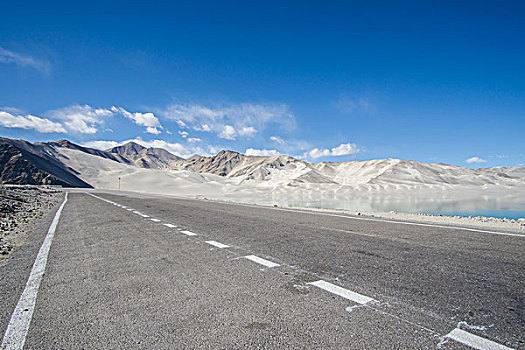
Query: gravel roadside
[21, 208]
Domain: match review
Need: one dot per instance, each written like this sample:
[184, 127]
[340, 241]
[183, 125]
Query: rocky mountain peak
[227, 154]
[130, 148]
[156, 158]
[64, 143]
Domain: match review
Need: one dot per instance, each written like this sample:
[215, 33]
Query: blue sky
[324, 81]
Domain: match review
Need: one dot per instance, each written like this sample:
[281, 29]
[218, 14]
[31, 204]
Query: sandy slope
[371, 186]
[364, 175]
[390, 174]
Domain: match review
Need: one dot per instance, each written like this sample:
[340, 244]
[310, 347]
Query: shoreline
[478, 222]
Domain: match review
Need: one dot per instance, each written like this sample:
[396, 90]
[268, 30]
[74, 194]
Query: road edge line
[16, 332]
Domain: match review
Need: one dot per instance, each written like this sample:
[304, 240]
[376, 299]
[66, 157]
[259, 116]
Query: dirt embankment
[21, 208]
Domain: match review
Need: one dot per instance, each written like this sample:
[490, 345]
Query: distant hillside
[68, 164]
[35, 164]
[236, 165]
[93, 151]
[149, 158]
[376, 173]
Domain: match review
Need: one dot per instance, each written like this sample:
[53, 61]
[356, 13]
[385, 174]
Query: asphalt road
[115, 278]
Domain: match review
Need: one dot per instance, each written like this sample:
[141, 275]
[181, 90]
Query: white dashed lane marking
[475, 341]
[217, 244]
[342, 292]
[457, 334]
[261, 261]
[189, 233]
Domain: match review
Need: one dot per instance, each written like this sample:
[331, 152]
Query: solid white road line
[15, 334]
[155, 220]
[521, 235]
[170, 225]
[261, 261]
[217, 244]
[342, 292]
[189, 233]
[475, 341]
[395, 222]
[129, 209]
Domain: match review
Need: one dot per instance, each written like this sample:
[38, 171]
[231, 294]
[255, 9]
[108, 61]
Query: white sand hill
[366, 186]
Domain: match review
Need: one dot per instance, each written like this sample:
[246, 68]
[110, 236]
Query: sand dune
[376, 185]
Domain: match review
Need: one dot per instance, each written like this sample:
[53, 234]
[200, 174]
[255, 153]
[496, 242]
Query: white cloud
[317, 153]
[475, 160]
[247, 131]
[277, 139]
[148, 119]
[175, 148]
[152, 130]
[194, 139]
[228, 132]
[204, 127]
[82, 119]
[184, 134]
[348, 105]
[12, 110]
[103, 145]
[86, 119]
[246, 118]
[261, 152]
[42, 125]
[341, 150]
[214, 149]
[8, 56]
[345, 149]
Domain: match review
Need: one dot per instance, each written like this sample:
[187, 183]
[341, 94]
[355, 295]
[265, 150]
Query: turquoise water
[508, 206]
[500, 213]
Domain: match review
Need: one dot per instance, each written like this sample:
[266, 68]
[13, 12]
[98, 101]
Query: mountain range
[67, 164]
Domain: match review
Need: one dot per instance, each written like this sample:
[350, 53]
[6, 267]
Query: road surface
[141, 272]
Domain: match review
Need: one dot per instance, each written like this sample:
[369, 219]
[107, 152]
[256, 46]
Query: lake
[500, 204]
